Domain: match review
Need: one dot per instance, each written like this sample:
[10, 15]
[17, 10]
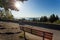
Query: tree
[34, 19]
[9, 4]
[41, 19]
[52, 18]
[57, 18]
[23, 19]
[44, 19]
[8, 16]
[1, 14]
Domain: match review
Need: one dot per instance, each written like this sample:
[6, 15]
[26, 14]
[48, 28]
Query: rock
[9, 31]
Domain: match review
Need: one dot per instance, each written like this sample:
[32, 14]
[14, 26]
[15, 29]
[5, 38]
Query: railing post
[43, 35]
[50, 39]
[24, 34]
[31, 31]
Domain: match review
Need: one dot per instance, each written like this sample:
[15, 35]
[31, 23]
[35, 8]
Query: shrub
[57, 22]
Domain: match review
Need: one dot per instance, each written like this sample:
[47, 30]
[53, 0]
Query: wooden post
[43, 35]
[50, 39]
[24, 34]
[31, 31]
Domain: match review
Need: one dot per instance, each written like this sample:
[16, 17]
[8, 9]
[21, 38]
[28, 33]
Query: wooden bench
[44, 34]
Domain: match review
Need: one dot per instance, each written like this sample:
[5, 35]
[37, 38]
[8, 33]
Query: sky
[38, 8]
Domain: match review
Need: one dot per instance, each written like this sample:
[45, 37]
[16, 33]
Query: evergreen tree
[52, 18]
[41, 19]
[57, 18]
[34, 19]
[44, 19]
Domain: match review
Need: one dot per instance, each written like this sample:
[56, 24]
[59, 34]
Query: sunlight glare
[18, 4]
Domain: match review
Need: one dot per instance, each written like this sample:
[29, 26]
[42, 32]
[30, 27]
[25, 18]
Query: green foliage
[44, 19]
[9, 4]
[23, 18]
[57, 18]
[57, 22]
[1, 3]
[4, 16]
[10, 17]
[34, 19]
[53, 18]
